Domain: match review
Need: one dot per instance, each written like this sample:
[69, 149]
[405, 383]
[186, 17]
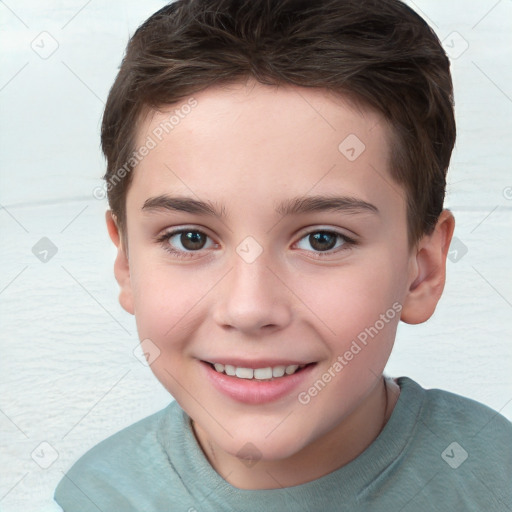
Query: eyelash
[347, 242]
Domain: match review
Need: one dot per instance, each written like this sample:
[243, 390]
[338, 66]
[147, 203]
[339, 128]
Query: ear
[428, 271]
[121, 265]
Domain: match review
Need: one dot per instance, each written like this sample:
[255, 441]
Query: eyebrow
[325, 203]
[292, 206]
[182, 204]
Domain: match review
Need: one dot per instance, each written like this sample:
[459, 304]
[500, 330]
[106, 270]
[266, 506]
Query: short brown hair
[379, 51]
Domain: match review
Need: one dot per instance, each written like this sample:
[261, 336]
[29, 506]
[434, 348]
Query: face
[264, 233]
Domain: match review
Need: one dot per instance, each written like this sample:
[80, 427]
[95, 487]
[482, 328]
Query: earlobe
[428, 271]
[121, 265]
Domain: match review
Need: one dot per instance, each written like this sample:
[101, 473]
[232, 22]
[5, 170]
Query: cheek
[159, 298]
[350, 301]
[167, 307]
[361, 307]
[169, 300]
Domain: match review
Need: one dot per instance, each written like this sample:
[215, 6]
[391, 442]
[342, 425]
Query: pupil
[192, 240]
[322, 241]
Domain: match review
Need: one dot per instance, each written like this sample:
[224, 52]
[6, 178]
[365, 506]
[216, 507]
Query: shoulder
[115, 470]
[475, 430]
[464, 446]
[447, 414]
[460, 413]
[137, 441]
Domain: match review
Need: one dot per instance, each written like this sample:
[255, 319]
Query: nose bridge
[252, 298]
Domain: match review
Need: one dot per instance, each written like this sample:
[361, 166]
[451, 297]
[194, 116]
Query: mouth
[266, 373]
[258, 382]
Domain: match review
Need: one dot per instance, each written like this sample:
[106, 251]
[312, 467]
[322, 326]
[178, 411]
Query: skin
[246, 148]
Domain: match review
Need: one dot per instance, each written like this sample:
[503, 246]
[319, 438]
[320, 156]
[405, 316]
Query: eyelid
[183, 228]
[313, 228]
[344, 233]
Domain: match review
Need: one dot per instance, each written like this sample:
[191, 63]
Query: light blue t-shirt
[438, 452]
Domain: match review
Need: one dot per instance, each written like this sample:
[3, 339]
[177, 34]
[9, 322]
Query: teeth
[278, 371]
[263, 373]
[244, 373]
[291, 369]
[257, 373]
[230, 370]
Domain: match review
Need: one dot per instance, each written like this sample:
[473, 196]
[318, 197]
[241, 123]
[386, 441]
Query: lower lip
[252, 391]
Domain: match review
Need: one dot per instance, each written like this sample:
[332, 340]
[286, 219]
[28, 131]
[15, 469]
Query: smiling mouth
[267, 373]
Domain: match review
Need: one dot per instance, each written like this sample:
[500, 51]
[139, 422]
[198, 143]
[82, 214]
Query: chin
[262, 446]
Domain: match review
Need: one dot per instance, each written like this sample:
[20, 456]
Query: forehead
[260, 142]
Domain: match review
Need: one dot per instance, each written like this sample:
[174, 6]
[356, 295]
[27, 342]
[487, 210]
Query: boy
[276, 175]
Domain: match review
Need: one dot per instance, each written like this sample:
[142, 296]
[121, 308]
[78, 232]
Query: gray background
[69, 377]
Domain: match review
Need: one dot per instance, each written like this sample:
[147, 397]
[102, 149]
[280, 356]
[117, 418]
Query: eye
[185, 241]
[324, 241]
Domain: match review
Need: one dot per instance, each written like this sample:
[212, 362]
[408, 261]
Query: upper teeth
[257, 373]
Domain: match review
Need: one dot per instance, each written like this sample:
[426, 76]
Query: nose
[252, 300]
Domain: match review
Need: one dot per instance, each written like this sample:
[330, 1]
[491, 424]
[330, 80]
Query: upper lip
[255, 363]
